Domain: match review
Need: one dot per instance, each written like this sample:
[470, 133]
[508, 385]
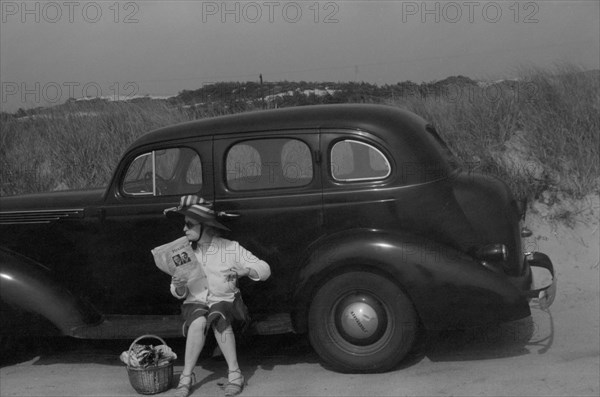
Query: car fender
[31, 287]
[448, 288]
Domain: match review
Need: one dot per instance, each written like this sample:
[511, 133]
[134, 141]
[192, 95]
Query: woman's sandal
[233, 389]
[183, 390]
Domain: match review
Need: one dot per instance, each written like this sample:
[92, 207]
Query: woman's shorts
[220, 315]
[191, 312]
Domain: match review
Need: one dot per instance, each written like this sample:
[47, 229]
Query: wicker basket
[150, 380]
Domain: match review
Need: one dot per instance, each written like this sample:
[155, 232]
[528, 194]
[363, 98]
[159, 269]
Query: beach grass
[539, 132]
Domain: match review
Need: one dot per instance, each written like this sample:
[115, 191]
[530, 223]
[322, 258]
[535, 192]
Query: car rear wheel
[362, 322]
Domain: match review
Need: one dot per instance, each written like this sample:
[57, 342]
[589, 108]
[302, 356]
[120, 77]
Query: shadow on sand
[533, 334]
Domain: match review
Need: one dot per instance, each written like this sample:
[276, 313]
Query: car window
[357, 161]
[268, 164]
[173, 171]
[243, 161]
[193, 175]
[296, 162]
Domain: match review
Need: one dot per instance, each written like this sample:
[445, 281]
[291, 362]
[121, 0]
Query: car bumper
[543, 296]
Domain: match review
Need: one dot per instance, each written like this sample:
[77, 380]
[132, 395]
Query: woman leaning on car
[211, 296]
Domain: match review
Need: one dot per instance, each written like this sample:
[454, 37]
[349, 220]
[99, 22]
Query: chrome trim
[38, 216]
[40, 211]
[228, 214]
[544, 296]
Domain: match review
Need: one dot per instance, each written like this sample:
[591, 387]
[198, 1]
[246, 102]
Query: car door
[357, 173]
[269, 184]
[131, 223]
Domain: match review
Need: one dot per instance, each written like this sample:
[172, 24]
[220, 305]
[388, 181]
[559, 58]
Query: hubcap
[360, 319]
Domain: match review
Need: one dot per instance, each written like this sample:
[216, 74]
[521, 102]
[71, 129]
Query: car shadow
[263, 352]
[64, 350]
[255, 352]
[533, 334]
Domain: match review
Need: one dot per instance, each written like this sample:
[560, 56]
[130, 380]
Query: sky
[53, 50]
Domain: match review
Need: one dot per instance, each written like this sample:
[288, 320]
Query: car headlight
[492, 253]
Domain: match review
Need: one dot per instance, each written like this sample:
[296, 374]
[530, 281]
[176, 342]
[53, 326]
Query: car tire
[362, 322]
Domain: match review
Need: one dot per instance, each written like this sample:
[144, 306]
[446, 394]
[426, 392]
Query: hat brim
[178, 214]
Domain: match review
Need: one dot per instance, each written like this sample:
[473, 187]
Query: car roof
[380, 119]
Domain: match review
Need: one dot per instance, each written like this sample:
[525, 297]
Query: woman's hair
[210, 231]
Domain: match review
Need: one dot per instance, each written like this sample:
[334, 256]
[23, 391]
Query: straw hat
[195, 207]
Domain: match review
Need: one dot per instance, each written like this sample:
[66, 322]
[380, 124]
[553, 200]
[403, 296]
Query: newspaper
[176, 258]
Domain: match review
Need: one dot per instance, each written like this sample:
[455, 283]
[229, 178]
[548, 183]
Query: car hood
[66, 199]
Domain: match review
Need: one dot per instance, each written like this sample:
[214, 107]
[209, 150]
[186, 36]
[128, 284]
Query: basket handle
[136, 341]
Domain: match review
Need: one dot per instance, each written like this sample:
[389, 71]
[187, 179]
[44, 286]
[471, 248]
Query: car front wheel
[362, 322]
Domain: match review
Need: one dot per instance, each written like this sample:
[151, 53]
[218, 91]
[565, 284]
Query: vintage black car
[372, 231]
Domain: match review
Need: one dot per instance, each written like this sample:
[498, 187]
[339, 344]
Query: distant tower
[355, 72]
[262, 96]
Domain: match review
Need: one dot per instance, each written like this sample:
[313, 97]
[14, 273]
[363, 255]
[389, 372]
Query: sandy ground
[555, 352]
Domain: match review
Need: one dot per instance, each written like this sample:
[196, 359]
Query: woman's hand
[234, 273]
[178, 283]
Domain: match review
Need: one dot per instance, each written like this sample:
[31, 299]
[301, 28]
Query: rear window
[352, 160]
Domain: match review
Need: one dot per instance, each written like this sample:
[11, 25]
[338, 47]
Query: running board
[116, 326]
[280, 323]
[131, 326]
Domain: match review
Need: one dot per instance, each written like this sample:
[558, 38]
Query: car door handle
[228, 214]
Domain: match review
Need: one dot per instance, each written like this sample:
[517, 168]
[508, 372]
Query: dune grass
[538, 133]
[74, 147]
[549, 118]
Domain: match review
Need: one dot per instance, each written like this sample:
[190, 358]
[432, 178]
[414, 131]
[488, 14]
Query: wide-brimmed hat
[195, 207]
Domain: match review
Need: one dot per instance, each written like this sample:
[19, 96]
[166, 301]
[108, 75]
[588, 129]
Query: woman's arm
[252, 267]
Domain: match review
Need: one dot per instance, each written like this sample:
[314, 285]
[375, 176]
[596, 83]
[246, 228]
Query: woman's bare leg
[193, 346]
[226, 341]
